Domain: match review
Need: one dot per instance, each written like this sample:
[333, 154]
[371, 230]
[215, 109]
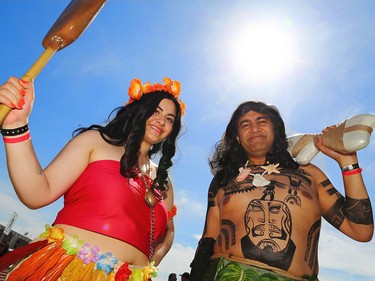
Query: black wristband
[350, 167]
[15, 131]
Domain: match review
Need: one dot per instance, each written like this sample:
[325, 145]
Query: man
[172, 277]
[264, 210]
[185, 276]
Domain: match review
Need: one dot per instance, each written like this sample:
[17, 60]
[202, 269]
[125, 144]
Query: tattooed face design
[268, 228]
[268, 224]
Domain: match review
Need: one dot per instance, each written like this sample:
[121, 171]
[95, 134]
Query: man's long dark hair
[127, 129]
[229, 155]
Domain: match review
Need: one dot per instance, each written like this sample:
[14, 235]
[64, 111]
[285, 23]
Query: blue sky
[312, 59]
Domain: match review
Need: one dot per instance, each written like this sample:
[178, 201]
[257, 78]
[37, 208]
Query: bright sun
[263, 51]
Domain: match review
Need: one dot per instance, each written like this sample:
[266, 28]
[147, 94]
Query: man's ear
[238, 139]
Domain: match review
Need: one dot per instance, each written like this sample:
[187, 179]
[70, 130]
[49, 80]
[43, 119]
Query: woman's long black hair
[127, 129]
[229, 155]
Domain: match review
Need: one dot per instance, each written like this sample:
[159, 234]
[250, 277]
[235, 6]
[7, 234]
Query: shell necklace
[258, 179]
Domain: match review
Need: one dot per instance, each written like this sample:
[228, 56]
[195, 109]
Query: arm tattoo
[325, 183]
[358, 211]
[212, 191]
[331, 190]
[211, 203]
[335, 214]
[355, 210]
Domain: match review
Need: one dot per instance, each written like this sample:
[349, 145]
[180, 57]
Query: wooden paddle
[76, 17]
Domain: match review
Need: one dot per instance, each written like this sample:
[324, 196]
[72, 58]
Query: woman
[116, 222]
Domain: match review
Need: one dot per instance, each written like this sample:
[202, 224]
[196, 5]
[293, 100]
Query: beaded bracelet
[352, 172]
[16, 140]
[15, 131]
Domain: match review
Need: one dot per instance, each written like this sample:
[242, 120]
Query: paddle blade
[72, 22]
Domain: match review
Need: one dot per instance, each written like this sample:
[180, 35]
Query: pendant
[271, 168]
[244, 173]
[150, 198]
[259, 180]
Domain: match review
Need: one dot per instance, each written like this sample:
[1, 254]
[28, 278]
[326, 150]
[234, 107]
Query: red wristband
[352, 172]
[18, 139]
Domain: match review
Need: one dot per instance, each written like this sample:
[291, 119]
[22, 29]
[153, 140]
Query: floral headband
[137, 90]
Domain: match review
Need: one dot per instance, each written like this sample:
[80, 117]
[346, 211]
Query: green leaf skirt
[222, 269]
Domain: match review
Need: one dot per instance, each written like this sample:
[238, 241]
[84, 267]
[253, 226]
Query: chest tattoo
[295, 181]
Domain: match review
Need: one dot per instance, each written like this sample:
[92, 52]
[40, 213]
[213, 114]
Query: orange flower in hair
[137, 90]
[173, 86]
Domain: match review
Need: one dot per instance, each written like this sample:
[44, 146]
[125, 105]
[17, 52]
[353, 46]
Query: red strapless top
[105, 202]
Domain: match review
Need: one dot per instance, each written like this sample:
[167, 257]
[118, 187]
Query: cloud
[177, 260]
[189, 207]
[337, 254]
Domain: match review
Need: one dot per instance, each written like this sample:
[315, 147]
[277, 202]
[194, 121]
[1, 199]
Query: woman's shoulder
[88, 133]
[90, 136]
[90, 140]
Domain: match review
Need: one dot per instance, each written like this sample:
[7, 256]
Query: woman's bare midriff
[122, 250]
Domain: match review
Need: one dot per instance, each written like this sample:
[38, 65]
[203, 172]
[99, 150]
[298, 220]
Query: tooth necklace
[149, 194]
[258, 179]
[151, 201]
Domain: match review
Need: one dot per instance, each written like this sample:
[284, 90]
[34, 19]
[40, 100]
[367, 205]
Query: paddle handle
[32, 73]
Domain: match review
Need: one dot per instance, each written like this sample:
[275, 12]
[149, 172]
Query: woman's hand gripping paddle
[76, 17]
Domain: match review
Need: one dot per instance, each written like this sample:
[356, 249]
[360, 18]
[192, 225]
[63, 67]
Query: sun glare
[263, 52]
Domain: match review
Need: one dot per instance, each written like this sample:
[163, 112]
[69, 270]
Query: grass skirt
[67, 258]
